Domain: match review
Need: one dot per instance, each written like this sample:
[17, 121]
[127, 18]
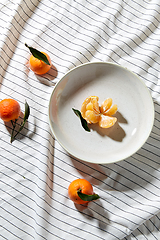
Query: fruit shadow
[48, 77]
[95, 175]
[23, 132]
[95, 211]
[115, 132]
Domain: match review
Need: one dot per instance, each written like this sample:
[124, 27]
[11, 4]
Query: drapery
[35, 169]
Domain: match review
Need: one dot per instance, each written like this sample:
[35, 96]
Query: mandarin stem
[13, 125]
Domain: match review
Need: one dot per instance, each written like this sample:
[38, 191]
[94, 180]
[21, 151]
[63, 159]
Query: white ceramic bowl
[135, 112]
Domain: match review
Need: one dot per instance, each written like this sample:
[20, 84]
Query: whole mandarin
[38, 66]
[79, 185]
[9, 109]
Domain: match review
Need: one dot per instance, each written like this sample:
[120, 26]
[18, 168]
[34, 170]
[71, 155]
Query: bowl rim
[108, 63]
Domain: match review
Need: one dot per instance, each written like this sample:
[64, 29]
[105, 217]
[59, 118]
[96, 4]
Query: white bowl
[135, 112]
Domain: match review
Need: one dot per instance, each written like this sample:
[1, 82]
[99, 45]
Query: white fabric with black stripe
[35, 170]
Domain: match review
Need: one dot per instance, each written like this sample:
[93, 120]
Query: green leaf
[27, 112]
[86, 197]
[38, 54]
[26, 115]
[83, 121]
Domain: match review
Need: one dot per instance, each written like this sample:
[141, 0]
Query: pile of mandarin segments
[93, 113]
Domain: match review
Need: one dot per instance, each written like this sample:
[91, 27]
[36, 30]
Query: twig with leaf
[26, 115]
[37, 54]
[83, 121]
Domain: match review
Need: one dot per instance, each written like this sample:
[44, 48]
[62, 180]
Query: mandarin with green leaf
[39, 62]
[38, 66]
[80, 191]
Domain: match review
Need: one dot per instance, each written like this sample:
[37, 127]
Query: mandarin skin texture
[76, 185]
[9, 109]
[38, 66]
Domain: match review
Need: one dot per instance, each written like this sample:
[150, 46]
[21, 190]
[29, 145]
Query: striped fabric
[35, 170]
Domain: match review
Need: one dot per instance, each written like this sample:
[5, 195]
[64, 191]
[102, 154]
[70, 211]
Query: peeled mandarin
[93, 113]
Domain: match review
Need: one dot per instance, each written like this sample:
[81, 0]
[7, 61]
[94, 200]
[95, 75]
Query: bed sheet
[35, 170]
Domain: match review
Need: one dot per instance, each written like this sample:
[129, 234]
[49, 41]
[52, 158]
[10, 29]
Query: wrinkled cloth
[35, 171]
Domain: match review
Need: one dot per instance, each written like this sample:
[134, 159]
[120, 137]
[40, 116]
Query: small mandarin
[81, 185]
[92, 113]
[9, 109]
[38, 66]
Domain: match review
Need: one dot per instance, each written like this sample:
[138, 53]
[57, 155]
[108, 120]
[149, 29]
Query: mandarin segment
[106, 105]
[91, 116]
[89, 106]
[107, 121]
[95, 104]
[93, 113]
[112, 110]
